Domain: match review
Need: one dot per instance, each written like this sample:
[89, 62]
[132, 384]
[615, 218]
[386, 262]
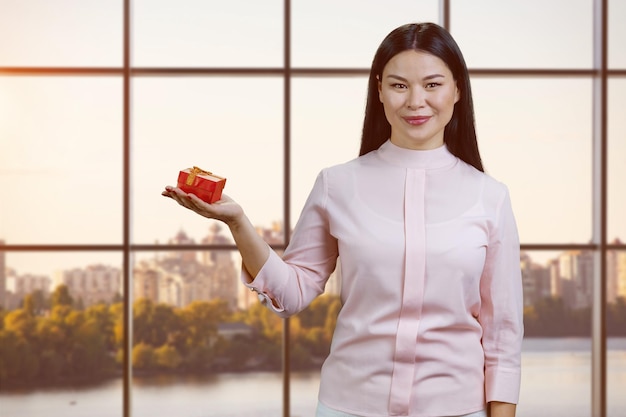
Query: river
[556, 382]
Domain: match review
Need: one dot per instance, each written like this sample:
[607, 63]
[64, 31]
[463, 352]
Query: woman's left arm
[498, 409]
[501, 313]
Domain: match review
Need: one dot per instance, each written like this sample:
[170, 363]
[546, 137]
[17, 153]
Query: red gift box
[206, 185]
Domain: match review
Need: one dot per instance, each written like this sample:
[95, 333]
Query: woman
[431, 321]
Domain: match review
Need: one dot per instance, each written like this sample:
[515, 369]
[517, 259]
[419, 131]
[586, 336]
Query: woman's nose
[415, 98]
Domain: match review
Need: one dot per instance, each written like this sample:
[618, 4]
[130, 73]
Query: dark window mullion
[126, 263]
[287, 192]
[599, 204]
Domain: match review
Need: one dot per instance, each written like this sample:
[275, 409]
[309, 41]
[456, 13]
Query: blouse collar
[439, 157]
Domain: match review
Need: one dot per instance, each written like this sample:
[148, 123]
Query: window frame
[599, 74]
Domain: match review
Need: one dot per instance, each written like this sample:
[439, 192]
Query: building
[556, 285]
[536, 280]
[616, 274]
[182, 277]
[576, 273]
[224, 277]
[146, 282]
[18, 286]
[91, 285]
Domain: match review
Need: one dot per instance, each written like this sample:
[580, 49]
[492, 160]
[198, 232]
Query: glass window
[61, 33]
[231, 126]
[616, 157]
[326, 124]
[209, 340]
[616, 331]
[617, 34]
[61, 159]
[196, 33]
[341, 34]
[556, 377]
[62, 322]
[535, 136]
[556, 352]
[61, 163]
[524, 34]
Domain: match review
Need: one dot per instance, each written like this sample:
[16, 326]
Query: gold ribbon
[197, 171]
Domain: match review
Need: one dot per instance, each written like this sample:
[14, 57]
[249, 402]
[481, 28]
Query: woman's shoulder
[348, 167]
[490, 183]
[493, 190]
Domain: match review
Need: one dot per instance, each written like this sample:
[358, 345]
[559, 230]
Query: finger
[182, 200]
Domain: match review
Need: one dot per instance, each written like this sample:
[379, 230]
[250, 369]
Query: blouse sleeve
[288, 285]
[501, 313]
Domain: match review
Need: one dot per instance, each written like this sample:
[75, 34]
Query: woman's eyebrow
[426, 78]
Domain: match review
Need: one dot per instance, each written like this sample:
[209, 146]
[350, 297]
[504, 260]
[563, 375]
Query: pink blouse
[431, 323]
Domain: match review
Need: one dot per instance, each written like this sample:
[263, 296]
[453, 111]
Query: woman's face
[418, 93]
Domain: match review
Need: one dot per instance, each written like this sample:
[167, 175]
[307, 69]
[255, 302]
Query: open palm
[226, 209]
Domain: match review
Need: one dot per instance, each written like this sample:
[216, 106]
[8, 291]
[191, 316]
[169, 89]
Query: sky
[61, 136]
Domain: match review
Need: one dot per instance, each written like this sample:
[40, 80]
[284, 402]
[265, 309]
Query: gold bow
[194, 172]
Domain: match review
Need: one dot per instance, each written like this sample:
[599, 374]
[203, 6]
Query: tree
[167, 357]
[153, 323]
[10, 356]
[117, 314]
[19, 359]
[199, 323]
[616, 318]
[61, 297]
[29, 304]
[104, 320]
[265, 322]
[40, 302]
[143, 312]
[22, 323]
[143, 356]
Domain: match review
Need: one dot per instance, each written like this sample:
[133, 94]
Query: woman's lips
[417, 120]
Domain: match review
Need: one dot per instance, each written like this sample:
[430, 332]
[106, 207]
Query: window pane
[534, 135]
[232, 126]
[201, 340]
[616, 365]
[616, 330]
[327, 119]
[60, 340]
[617, 34]
[616, 289]
[342, 34]
[616, 158]
[556, 353]
[61, 159]
[61, 33]
[195, 33]
[524, 34]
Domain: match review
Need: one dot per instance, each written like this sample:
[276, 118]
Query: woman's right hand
[226, 209]
[254, 251]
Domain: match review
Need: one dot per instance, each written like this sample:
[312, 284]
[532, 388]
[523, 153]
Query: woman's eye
[432, 85]
[398, 85]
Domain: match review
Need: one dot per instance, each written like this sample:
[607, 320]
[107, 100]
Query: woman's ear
[457, 94]
[380, 88]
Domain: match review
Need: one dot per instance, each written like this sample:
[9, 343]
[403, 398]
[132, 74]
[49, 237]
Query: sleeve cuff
[259, 285]
[502, 385]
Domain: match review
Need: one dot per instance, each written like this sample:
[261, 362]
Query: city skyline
[59, 260]
[567, 274]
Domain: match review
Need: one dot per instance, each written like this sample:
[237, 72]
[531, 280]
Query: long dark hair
[460, 133]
